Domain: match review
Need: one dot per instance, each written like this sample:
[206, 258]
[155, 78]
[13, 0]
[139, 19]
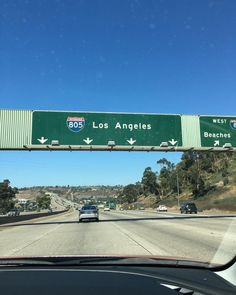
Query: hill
[75, 194]
[208, 179]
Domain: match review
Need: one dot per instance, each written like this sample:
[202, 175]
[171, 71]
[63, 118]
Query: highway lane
[123, 233]
[184, 235]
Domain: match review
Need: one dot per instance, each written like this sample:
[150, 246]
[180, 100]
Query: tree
[43, 202]
[166, 164]
[192, 170]
[149, 182]
[7, 195]
[139, 187]
[167, 178]
[206, 162]
[129, 194]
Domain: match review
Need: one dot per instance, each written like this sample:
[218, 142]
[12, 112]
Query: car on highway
[106, 209]
[161, 208]
[89, 212]
[188, 208]
[13, 212]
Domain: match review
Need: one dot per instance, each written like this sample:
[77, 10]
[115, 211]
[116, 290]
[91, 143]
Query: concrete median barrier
[11, 219]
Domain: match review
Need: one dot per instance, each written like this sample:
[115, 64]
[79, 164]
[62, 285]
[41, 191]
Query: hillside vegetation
[208, 179]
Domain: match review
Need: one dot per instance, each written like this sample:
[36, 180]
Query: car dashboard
[112, 280]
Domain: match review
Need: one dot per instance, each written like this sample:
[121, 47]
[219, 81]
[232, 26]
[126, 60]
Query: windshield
[89, 208]
[125, 109]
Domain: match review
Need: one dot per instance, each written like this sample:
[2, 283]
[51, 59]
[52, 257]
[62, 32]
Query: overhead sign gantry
[72, 130]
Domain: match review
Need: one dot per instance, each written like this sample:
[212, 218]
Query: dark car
[188, 207]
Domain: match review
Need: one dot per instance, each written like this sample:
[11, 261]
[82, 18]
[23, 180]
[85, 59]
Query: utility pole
[177, 180]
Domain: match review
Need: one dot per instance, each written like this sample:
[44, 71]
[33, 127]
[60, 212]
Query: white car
[89, 212]
[162, 208]
[106, 209]
[13, 212]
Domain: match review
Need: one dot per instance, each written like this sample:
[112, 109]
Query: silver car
[89, 212]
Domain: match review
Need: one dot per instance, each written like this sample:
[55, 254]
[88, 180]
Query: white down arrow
[131, 141]
[42, 140]
[88, 140]
[172, 141]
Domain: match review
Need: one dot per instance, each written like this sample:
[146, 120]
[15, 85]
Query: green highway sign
[217, 131]
[103, 129]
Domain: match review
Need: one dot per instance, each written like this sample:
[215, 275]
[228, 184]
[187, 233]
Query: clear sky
[173, 56]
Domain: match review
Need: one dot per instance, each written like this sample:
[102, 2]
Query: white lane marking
[149, 247]
[29, 243]
[226, 250]
[21, 247]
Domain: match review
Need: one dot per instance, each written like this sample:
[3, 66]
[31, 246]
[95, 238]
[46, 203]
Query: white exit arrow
[42, 140]
[131, 141]
[172, 141]
[88, 140]
[217, 142]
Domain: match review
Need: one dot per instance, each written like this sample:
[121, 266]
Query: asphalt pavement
[195, 237]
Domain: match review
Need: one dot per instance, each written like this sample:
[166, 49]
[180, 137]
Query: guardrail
[11, 219]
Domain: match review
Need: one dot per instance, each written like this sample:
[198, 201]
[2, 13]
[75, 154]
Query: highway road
[123, 233]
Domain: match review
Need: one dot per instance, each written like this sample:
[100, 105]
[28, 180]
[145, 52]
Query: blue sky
[112, 56]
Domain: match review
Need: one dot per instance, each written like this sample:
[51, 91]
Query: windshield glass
[88, 207]
[137, 125]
